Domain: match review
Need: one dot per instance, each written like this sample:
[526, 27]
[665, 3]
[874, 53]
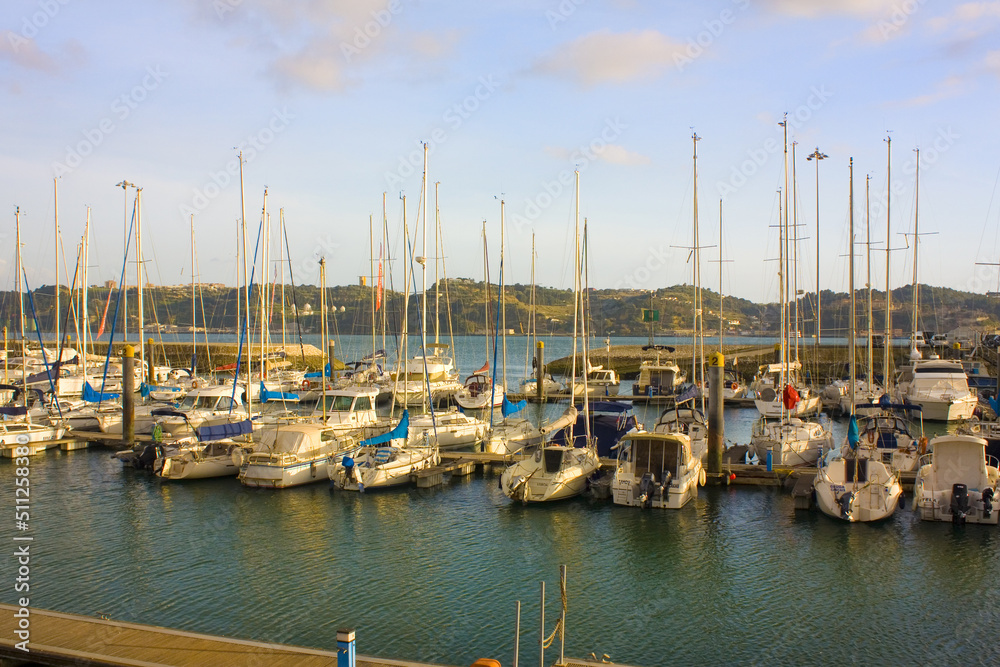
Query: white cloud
[992, 61]
[607, 57]
[617, 154]
[818, 8]
[965, 13]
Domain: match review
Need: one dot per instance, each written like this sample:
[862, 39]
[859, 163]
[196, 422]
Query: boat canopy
[90, 395]
[400, 432]
[220, 431]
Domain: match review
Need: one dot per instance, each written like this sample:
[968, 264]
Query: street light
[817, 155]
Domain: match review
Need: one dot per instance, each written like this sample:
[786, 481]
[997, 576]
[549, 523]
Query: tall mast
[371, 254]
[502, 300]
[795, 250]
[281, 263]
[576, 292]
[423, 273]
[18, 278]
[887, 347]
[782, 261]
[139, 282]
[322, 314]
[385, 244]
[437, 244]
[914, 352]
[55, 190]
[850, 250]
[194, 309]
[720, 277]
[262, 289]
[868, 282]
[84, 294]
[697, 348]
[246, 283]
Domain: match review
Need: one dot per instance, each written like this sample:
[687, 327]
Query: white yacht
[600, 382]
[656, 470]
[452, 429]
[956, 483]
[529, 386]
[27, 437]
[940, 387]
[211, 459]
[288, 455]
[348, 410]
[658, 377]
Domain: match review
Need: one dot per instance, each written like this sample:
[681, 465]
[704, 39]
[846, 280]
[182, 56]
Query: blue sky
[331, 99]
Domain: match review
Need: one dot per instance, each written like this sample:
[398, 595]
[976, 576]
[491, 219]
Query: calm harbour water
[736, 577]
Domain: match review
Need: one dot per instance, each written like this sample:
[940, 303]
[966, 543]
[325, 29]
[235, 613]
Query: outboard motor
[987, 503]
[845, 501]
[146, 458]
[959, 503]
[647, 487]
[667, 476]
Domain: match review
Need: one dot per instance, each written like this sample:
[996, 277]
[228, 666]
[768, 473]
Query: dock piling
[517, 631]
[346, 656]
[716, 424]
[150, 356]
[128, 396]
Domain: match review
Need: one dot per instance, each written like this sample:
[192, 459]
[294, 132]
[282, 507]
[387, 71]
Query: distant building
[111, 284]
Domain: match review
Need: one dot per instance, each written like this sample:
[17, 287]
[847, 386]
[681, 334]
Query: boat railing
[926, 459]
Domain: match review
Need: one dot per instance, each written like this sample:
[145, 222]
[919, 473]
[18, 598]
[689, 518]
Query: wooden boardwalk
[69, 639]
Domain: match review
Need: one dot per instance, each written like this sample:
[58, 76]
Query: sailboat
[939, 386]
[789, 440]
[383, 461]
[480, 390]
[855, 484]
[557, 472]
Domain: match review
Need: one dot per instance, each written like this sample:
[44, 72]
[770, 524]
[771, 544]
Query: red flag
[100, 329]
[789, 397]
[484, 368]
[378, 291]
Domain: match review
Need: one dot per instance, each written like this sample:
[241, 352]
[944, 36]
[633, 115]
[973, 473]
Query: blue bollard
[345, 648]
[770, 460]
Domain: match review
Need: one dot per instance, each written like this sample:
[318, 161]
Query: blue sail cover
[267, 395]
[14, 411]
[853, 436]
[994, 404]
[508, 408]
[399, 432]
[144, 389]
[220, 431]
[92, 396]
[318, 374]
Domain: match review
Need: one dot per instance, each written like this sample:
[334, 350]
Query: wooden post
[541, 631]
[128, 396]
[716, 427]
[150, 374]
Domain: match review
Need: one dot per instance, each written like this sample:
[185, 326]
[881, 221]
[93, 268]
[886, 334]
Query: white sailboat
[855, 484]
[384, 461]
[287, 455]
[557, 472]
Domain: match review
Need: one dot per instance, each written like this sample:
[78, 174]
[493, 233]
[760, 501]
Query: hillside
[613, 312]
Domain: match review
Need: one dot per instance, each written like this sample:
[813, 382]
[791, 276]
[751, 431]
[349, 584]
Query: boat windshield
[198, 403]
[339, 403]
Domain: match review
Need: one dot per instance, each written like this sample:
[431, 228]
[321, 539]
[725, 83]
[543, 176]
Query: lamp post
[817, 155]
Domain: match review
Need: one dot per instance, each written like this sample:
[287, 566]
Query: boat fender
[871, 436]
[538, 456]
[312, 469]
[702, 477]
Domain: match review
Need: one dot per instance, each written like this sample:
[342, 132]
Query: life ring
[922, 445]
[194, 384]
[305, 385]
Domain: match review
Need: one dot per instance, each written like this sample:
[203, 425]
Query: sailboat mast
[502, 300]
[437, 286]
[246, 281]
[850, 252]
[423, 273]
[84, 294]
[322, 314]
[782, 260]
[55, 190]
[817, 155]
[888, 240]
[795, 251]
[576, 294]
[868, 282]
[385, 244]
[720, 277]
[371, 254]
[262, 289]
[694, 265]
[194, 307]
[281, 263]
[17, 280]
[916, 247]
[139, 282]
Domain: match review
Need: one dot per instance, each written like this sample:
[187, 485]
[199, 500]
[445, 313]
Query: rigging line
[243, 334]
[45, 358]
[118, 303]
[295, 309]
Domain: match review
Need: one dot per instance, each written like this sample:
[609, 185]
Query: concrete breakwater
[214, 355]
[825, 362]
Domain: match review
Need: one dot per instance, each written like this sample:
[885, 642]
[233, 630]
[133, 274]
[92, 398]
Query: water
[736, 577]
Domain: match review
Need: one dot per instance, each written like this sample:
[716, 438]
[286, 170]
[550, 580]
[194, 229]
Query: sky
[332, 101]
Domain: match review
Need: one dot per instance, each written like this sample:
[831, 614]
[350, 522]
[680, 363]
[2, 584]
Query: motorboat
[957, 482]
[349, 410]
[687, 420]
[656, 470]
[658, 377]
[529, 386]
[288, 455]
[940, 387]
[600, 382]
[23, 438]
[731, 387]
[211, 459]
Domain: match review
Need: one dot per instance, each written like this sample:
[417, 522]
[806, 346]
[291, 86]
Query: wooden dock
[641, 399]
[435, 476]
[70, 639]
